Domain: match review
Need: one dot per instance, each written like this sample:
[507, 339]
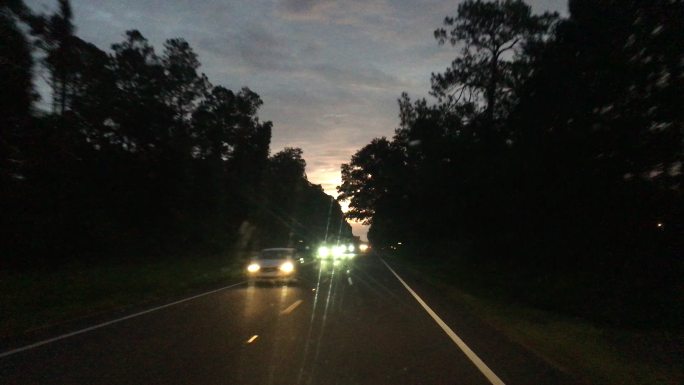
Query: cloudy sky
[329, 71]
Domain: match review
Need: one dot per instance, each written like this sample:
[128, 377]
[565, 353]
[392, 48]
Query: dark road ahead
[353, 323]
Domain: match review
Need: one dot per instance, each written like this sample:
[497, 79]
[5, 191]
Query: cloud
[253, 49]
[335, 118]
[259, 50]
[300, 5]
[329, 71]
[262, 50]
[349, 12]
[306, 10]
[366, 77]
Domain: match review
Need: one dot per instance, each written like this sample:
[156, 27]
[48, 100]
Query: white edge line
[493, 378]
[101, 325]
[290, 308]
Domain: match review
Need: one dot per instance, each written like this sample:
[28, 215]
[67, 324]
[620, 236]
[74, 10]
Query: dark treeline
[139, 155]
[549, 167]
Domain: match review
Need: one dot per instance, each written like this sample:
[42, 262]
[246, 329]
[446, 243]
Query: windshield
[342, 192]
[276, 254]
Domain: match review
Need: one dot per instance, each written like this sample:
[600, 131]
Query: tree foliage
[492, 36]
[15, 81]
[577, 193]
[140, 155]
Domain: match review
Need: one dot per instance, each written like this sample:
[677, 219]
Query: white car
[277, 264]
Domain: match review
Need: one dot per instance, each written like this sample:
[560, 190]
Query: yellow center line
[291, 308]
[254, 337]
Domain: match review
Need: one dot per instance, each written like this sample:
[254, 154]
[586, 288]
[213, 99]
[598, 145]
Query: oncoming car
[276, 265]
[338, 251]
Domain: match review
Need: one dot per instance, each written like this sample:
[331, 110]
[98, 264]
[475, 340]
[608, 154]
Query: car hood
[271, 262]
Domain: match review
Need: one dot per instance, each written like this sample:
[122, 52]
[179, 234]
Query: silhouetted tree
[552, 157]
[140, 154]
[235, 146]
[295, 212]
[16, 95]
[373, 172]
[141, 119]
[492, 34]
[17, 90]
[184, 85]
[56, 39]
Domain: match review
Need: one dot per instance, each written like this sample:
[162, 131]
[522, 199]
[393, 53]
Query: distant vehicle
[276, 265]
[338, 251]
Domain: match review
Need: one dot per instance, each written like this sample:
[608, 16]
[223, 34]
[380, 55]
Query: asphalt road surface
[353, 323]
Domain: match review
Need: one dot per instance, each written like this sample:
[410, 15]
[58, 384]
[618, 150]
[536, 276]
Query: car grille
[269, 269]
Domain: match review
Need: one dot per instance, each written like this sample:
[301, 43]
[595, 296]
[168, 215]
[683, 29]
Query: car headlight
[350, 248]
[287, 267]
[323, 252]
[253, 267]
[338, 251]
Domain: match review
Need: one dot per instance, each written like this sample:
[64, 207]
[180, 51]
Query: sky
[329, 72]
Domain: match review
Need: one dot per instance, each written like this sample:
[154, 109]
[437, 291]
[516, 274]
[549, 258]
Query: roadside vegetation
[46, 298]
[593, 353]
[547, 161]
[541, 183]
[138, 153]
[135, 178]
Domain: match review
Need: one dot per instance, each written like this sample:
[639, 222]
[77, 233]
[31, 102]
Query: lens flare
[338, 251]
[323, 252]
[287, 267]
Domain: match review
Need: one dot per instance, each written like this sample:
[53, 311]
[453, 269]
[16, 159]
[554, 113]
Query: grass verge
[592, 353]
[38, 299]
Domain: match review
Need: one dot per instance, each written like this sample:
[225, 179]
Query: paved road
[354, 323]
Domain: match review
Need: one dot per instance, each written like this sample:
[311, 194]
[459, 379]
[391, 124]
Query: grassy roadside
[595, 354]
[34, 300]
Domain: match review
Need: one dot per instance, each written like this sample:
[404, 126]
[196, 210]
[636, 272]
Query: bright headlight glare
[253, 267]
[363, 247]
[350, 248]
[338, 251]
[287, 267]
[323, 251]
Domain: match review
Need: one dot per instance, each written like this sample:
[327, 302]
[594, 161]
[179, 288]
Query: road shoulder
[574, 348]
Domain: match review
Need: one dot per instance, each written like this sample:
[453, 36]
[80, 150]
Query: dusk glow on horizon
[329, 72]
